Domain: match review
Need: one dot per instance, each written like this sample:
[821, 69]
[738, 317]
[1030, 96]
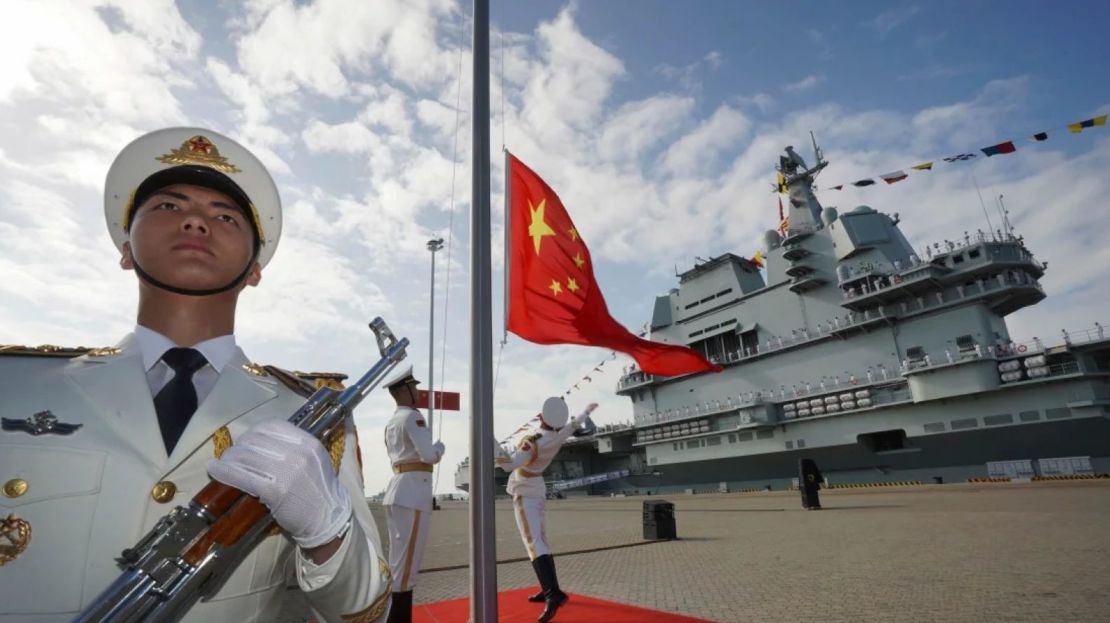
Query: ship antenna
[1006, 226]
[818, 157]
[990, 227]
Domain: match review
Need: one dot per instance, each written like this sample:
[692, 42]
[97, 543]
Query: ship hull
[949, 457]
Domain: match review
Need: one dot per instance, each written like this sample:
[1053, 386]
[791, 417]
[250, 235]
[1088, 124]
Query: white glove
[581, 418]
[439, 448]
[291, 473]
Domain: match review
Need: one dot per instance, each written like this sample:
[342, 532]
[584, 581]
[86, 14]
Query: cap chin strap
[145, 276]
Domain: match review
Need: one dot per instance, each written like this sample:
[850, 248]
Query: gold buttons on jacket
[15, 487]
[163, 491]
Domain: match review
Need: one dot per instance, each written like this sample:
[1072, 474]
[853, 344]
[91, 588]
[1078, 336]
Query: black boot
[553, 597]
[401, 610]
[538, 597]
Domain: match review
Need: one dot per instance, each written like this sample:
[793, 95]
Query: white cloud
[804, 84]
[333, 38]
[890, 19]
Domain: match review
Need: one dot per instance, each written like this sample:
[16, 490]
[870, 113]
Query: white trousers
[531, 521]
[408, 531]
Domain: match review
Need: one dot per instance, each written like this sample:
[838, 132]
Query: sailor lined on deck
[527, 462]
[108, 442]
[408, 498]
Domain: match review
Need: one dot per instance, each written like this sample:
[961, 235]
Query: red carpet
[513, 607]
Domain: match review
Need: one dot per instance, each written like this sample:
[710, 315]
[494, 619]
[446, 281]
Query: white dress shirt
[152, 345]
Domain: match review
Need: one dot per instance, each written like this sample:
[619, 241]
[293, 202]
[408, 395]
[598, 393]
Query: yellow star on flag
[578, 261]
[573, 233]
[537, 229]
[556, 287]
[572, 285]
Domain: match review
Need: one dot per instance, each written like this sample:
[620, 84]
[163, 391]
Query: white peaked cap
[400, 376]
[199, 157]
[554, 412]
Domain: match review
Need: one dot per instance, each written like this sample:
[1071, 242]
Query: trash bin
[659, 520]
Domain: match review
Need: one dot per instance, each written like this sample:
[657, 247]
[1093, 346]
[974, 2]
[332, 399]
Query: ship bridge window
[974, 253]
[724, 292]
[915, 353]
[958, 259]
[717, 347]
[883, 441]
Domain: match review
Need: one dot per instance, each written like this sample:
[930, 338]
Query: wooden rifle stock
[236, 515]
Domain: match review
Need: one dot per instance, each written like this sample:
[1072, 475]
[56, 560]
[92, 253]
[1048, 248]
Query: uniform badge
[420, 423]
[199, 150]
[15, 535]
[40, 423]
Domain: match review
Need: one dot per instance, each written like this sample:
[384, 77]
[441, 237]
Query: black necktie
[176, 402]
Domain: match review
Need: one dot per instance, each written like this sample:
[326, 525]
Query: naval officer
[408, 498]
[527, 462]
[96, 448]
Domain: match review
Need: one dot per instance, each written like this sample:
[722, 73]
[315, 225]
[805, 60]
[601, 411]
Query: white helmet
[554, 412]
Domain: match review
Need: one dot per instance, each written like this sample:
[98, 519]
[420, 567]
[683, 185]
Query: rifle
[191, 551]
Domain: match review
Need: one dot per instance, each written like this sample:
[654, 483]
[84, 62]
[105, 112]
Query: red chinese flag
[553, 297]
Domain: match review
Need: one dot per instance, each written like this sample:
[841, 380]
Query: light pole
[433, 246]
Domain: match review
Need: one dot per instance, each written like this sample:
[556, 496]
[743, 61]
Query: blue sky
[658, 123]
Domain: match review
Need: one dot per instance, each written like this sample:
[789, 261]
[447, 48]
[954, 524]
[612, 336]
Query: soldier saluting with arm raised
[196, 217]
[527, 463]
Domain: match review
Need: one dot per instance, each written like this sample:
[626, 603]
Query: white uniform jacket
[408, 440]
[88, 494]
[531, 457]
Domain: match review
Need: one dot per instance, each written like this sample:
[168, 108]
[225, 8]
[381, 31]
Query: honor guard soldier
[408, 498]
[96, 448]
[527, 463]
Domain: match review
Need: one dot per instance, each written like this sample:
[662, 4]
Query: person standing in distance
[408, 498]
[106, 441]
[527, 463]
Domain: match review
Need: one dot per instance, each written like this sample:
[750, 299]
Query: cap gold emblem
[15, 487]
[15, 535]
[199, 150]
[163, 491]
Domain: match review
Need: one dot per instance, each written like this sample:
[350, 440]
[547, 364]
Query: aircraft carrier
[881, 362]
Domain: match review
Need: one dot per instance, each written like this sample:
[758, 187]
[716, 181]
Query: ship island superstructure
[879, 361]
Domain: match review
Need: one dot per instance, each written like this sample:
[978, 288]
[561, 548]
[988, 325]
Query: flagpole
[508, 232]
[483, 547]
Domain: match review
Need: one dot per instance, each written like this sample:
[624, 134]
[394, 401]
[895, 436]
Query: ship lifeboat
[788, 406]
[1010, 377]
[818, 410]
[848, 396]
[863, 393]
[847, 404]
[864, 402]
[804, 412]
[832, 408]
[1035, 361]
[1036, 373]
[1010, 366]
[831, 400]
[816, 402]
